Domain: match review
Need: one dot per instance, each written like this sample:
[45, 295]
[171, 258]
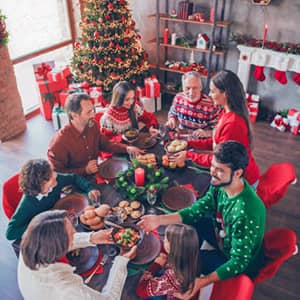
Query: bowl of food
[131, 134]
[127, 236]
[176, 146]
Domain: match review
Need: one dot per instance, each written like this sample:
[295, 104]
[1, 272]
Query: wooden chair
[279, 245]
[11, 195]
[274, 184]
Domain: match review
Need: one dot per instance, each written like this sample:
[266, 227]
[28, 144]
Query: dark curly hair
[32, 176]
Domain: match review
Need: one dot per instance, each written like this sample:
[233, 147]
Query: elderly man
[74, 149]
[236, 222]
[192, 109]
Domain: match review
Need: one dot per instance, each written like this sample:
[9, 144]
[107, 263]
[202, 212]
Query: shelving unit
[219, 32]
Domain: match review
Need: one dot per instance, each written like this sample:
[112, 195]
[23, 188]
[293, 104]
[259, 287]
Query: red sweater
[231, 127]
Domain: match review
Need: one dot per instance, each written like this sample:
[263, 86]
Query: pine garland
[241, 39]
[3, 31]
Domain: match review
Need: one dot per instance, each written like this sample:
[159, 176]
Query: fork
[102, 263]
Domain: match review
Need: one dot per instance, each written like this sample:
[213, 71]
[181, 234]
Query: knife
[102, 263]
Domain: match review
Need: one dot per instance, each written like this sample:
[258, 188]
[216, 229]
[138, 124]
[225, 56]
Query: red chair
[274, 183]
[11, 195]
[235, 288]
[279, 245]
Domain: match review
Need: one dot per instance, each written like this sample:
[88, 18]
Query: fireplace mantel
[265, 58]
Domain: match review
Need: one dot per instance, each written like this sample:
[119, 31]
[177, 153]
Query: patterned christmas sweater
[202, 114]
[165, 285]
[116, 119]
[242, 219]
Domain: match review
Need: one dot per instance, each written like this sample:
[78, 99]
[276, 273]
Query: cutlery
[102, 263]
[112, 224]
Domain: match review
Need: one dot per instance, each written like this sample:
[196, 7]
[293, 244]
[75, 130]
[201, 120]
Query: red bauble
[96, 34]
[101, 61]
[138, 37]
[85, 85]
[127, 31]
[94, 61]
[132, 23]
[121, 2]
[126, 40]
[123, 19]
[93, 23]
[107, 17]
[133, 81]
[111, 44]
[76, 45]
[110, 6]
[118, 60]
[118, 47]
[98, 82]
[133, 50]
[146, 55]
[86, 20]
[100, 20]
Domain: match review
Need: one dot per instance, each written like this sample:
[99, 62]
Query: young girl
[124, 113]
[181, 264]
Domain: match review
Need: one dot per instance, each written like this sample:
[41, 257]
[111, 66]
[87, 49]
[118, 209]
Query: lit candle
[265, 35]
[139, 176]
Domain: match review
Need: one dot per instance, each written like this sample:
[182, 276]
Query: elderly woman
[125, 113]
[49, 236]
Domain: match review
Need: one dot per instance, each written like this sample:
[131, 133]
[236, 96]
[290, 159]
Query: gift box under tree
[151, 104]
[59, 117]
[152, 87]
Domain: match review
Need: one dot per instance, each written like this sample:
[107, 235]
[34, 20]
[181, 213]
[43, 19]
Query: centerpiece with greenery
[155, 181]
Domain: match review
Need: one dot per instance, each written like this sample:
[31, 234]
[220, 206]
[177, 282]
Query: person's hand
[161, 259]
[103, 236]
[149, 222]
[171, 123]
[179, 157]
[153, 131]
[134, 150]
[199, 283]
[94, 195]
[200, 133]
[91, 167]
[131, 254]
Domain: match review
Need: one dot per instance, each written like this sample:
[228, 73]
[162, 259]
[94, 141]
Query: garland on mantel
[252, 42]
[3, 31]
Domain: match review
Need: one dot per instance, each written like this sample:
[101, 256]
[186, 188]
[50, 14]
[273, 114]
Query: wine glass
[151, 199]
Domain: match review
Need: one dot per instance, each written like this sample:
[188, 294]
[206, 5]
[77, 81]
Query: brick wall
[12, 119]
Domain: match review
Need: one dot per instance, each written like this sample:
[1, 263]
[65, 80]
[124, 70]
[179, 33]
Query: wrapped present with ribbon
[59, 117]
[281, 123]
[140, 92]
[253, 106]
[60, 74]
[152, 87]
[96, 96]
[41, 70]
[151, 104]
[80, 85]
[293, 117]
[49, 96]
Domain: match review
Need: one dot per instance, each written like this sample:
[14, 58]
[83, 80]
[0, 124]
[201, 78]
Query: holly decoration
[252, 42]
[154, 179]
[3, 31]
[108, 35]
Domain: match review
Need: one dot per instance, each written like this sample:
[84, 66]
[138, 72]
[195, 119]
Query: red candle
[265, 35]
[139, 176]
[166, 36]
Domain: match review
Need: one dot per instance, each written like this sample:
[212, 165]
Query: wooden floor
[271, 146]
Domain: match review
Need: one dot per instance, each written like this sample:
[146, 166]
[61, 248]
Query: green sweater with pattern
[30, 206]
[244, 218]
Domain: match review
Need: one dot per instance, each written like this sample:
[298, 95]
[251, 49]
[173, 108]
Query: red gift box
[140, 92]
[152, 87]
[62, 98]
[58, 74]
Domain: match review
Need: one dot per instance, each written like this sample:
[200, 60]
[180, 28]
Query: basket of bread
[176, 146]
[92, 217]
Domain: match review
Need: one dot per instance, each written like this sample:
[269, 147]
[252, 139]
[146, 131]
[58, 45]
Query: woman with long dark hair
[124, 112]
[227, 91]
[181, 264]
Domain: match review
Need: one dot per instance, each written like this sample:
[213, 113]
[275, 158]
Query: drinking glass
[162, 129]
[151, 199]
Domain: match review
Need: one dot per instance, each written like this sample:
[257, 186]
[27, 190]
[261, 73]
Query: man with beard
[230, 217]
[75, 147]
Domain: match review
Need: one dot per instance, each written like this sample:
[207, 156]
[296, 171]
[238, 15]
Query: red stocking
[280, 76]
[259, 73]
[296, 78]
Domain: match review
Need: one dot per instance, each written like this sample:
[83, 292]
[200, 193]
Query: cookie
[123, 203]
[136, 214]
[135, 204]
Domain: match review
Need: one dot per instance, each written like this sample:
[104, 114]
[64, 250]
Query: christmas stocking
[259, 73]
[296, 78]
[280, 76]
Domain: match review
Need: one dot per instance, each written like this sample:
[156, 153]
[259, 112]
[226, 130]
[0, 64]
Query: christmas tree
[109, 49]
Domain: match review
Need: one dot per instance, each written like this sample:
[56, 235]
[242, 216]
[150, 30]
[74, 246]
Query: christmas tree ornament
[110, 6]
[296, 78]
[259, 73]
[96, 34]
[100, 20]
[280, 76]
[107, 17]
